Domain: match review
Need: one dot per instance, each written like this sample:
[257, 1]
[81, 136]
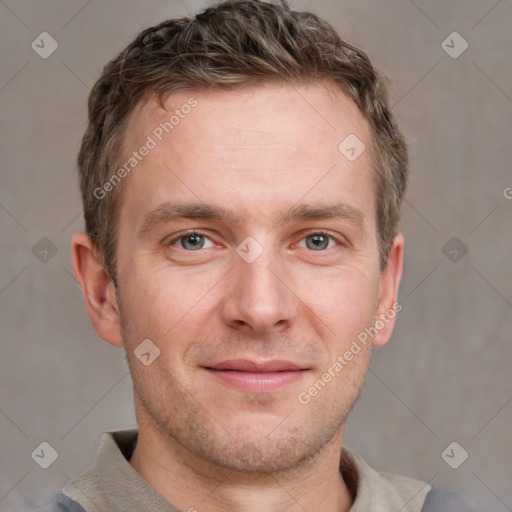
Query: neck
[194, 484]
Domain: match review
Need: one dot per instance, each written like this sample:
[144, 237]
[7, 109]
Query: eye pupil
[196, 241]
[319, 241]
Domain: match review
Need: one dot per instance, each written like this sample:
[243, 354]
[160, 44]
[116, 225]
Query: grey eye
[192, 242]
[318, 242]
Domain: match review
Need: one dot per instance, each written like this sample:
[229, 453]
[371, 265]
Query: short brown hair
[234, 44]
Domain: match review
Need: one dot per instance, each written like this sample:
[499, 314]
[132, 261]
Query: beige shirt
[114, 485]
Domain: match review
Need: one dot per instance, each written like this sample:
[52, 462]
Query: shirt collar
[370, 490]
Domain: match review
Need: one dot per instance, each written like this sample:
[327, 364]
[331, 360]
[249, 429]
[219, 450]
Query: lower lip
[258, 382]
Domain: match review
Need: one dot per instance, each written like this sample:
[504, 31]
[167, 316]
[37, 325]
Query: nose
[258, 296]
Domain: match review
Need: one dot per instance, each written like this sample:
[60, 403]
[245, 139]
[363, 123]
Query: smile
[250, 376]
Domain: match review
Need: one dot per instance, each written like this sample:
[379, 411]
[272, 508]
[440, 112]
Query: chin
[250, 451]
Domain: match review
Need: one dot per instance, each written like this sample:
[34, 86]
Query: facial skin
[257, 153]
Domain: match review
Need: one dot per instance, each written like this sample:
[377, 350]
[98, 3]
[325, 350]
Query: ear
[97, 288]
[388, 307]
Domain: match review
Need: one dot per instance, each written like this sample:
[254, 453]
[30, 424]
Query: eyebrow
[173, 211]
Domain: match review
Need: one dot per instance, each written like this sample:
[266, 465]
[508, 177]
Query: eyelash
[317, 232]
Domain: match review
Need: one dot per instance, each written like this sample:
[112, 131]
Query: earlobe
[97, 288]
[388, 306]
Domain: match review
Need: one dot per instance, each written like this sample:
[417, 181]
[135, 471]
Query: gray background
[445, 376]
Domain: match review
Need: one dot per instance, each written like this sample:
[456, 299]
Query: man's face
[255, 293]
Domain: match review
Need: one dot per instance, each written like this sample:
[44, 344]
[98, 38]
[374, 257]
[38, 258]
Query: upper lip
[245, 365]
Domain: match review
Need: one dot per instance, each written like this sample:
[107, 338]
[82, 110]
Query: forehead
[318, 108]
[270, 144]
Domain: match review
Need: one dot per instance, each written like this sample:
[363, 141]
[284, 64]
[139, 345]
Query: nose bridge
[261, 277]
[259, 298]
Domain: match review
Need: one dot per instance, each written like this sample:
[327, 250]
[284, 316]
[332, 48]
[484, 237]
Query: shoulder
[443, 501]
[60, 503]
[439, 500]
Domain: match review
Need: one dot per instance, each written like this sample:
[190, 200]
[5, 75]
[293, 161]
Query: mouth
[252, 376]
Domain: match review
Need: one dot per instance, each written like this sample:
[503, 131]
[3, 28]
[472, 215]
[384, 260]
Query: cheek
[161, 303]
[345, 300]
